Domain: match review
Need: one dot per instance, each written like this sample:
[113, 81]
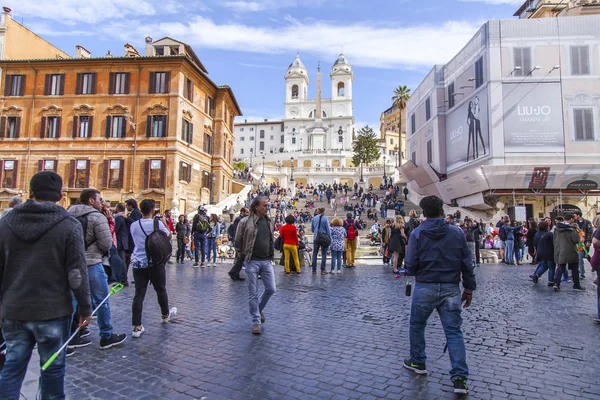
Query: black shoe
[550, 284]
[420, 369]
[78, 341]
[460, 385]
[581, 276]
[70, 351]
[84, 332]
[113, 340]
[534, 278]
[557, 288]
[578, 288]
[232, 276]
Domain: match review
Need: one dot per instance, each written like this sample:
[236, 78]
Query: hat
[47, 186]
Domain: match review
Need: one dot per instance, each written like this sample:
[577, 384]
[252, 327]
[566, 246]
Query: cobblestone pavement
[343, 337]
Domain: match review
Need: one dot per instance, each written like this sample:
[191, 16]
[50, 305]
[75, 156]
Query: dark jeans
[238, 263]
[574, 267]
[20, 337]
[123, 256]
[546, 265]
[157, 276]
[200, 245]
[323, 257]
[180, 249]
[477, 256]
[446, 299]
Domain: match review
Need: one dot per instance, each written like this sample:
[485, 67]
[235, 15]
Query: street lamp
[292, 168]
[398, 156]
[384, 176]
[263, 168]
[362, 180]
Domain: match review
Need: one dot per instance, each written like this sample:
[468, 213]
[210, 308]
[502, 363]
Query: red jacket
[289, 234]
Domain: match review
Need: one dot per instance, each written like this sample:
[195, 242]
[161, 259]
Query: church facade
[316, 132]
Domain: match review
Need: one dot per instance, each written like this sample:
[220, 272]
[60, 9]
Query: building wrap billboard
[467, 132]
[533, 118]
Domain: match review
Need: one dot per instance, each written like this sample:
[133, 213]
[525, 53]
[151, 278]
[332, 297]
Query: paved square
[342, 337]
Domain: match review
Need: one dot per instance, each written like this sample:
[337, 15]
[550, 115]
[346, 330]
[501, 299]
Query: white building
[512, 120]
[314, 142]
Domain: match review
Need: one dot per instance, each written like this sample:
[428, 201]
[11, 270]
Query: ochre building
[153, 126]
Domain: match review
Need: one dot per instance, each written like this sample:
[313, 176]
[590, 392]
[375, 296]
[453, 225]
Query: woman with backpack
[214, 232]
[144, 270]
[183, 232]
[397, 243]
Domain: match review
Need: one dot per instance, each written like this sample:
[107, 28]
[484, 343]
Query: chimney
[6, 10]
[266, 119]
[149, 47]
[82, 52]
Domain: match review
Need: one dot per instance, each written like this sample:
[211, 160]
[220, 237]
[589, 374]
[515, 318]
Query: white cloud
[496, 2]
[365, 44]
[247, 6]
[249, 65]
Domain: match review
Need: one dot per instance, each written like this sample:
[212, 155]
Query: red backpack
[351, 232]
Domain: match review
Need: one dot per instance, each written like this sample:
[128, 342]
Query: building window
[479, 72]
[242, 138]
[86, 83]
[82, 126]
[156, 126]
[210, 106]
[189, 90]
[116, 126]
[14, 85]
[413, 157]
[10, 127]
[271, 137]
[241, 151]
[413, 123]
[262, 134]
[118, 83]
[295, 92]
[391, 141]
[155, 174]
[341, 89]
[261, 146]
[282, 128]
[50, 127]
[340, 139]
[47, 165]
[113, 174]
[251, 129]
[282, 139]
[451, 95]
[241, 129]
[428, 109]
[54, 85]
[207, 143]
[429, 152]
[185, 172]
[293, 140]
[80, 173]
[251, 138]
[159, 82]
[187, 131]
[584, 124]
[522, 56]
[580, 60]
[205, 180]
[9, 174]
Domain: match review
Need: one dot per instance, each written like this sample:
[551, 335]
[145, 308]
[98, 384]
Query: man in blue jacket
[437, 256]
[320, 223]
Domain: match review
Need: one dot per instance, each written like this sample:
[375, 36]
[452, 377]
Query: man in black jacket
[122, 234]
[37, 296]
[134, 215]
[234, 273]
[437, 273]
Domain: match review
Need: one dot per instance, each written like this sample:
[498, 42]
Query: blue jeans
[336, 259]
[509, 254]
[199, 245]
[258, 303]
[99, 291]
[581, 263]
[212, 248]
[598, 296]
[323, 257]
[546, 265]
[446, 299]
[20, 337]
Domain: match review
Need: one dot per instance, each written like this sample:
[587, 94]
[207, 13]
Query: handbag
[277, 244]
[186, 239]
[322, 239]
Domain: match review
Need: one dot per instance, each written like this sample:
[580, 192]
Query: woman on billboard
[477, 136]
[471, 123]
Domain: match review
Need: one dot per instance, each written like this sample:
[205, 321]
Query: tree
[365, 147]
[239, 166]
[401, 96]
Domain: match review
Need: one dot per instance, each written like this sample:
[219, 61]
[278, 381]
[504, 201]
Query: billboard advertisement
[467, 132]
[533, 118]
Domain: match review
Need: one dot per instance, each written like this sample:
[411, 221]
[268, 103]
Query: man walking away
[565, 250]
[200, 227]
[42, 263]
[320, 224]
[12, 203]
[122, 234]
[144, 271]
[97, 240]
[134, 215]
[238, 263]
[588, 230]
[437, 274]
[254, 241]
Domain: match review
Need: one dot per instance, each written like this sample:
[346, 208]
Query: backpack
[351, 232]
[158, 245]
[83, 220]
[202, 224]
[501, 233]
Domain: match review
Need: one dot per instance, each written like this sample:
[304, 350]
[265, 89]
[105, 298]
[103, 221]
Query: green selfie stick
[115, 289]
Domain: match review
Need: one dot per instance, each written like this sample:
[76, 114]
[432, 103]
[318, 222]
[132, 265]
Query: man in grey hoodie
[98, 240]
[36, 296]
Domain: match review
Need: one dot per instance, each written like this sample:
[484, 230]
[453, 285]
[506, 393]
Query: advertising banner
[467, 132]
[533, 118]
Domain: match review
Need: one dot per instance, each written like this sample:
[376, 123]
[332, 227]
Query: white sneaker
[339, 271]
[172, 314]
[137, 332]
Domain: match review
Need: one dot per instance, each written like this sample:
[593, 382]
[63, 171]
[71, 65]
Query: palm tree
[401, 96]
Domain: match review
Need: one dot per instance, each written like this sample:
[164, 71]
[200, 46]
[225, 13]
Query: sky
[248, 44]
